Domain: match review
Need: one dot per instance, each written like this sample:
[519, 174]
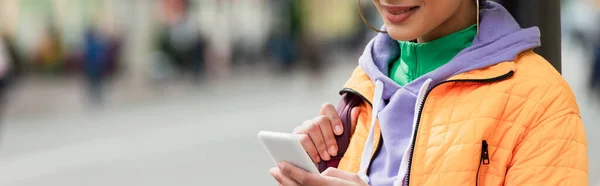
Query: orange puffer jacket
[514, 123]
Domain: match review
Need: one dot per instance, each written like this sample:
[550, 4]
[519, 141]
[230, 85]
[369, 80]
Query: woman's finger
[309, 147]
[328, 135]
[300, 176]
[281, 178]
[336, 122]
[314, 131]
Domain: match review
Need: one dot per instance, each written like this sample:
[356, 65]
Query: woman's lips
[398, 14]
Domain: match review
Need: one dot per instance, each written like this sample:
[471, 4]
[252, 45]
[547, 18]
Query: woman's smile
[398, 14]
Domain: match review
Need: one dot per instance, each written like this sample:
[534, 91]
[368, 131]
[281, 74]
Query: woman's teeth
[403, 11]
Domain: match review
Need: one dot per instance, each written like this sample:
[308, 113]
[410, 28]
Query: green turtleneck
[417, 59]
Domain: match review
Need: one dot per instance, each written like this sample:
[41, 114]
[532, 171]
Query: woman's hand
[287, 174]
[317, 135]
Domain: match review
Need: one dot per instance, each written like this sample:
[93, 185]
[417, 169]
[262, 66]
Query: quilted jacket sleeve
[552, 151]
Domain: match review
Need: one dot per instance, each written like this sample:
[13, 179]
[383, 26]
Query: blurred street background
[173, 92]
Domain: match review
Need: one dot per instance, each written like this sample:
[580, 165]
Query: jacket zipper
[484, 159]
[422, 104]
[376, 153]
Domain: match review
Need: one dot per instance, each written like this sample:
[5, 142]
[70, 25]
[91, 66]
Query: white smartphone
[286, 147]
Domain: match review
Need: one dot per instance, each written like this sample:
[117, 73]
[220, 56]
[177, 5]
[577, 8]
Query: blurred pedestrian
[50, 53]
[293, 41]
[95, 63]
[5, 71]
[449, 92]
[595, 78]
[180, 43]
[283, 39]
[10, 66]
[253, 17]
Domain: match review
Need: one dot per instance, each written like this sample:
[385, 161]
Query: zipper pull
[485, 156]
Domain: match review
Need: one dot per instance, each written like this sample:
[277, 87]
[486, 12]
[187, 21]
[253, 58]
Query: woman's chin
[401, 34]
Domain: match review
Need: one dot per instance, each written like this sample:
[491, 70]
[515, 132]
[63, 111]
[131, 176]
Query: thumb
[336, 173]
[354, 118]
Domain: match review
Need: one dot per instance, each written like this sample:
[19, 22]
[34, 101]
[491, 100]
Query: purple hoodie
[500, 39]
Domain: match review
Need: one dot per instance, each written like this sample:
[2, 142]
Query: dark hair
[362, 16]
[482, 4]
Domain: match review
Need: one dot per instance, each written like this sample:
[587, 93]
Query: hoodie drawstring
[368, 149]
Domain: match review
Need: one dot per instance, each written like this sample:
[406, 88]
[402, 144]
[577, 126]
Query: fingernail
[333, 150]
[339, 129]
[326, 156]
[280, 166]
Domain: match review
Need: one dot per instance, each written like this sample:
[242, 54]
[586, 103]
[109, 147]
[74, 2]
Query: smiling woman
[448, 98]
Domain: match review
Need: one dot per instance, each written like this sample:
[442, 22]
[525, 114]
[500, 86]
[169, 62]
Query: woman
[458, 97]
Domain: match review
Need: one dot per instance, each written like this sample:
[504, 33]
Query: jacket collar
[360, 82]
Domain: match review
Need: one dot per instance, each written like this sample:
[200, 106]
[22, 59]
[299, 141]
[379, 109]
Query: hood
[500, 39]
